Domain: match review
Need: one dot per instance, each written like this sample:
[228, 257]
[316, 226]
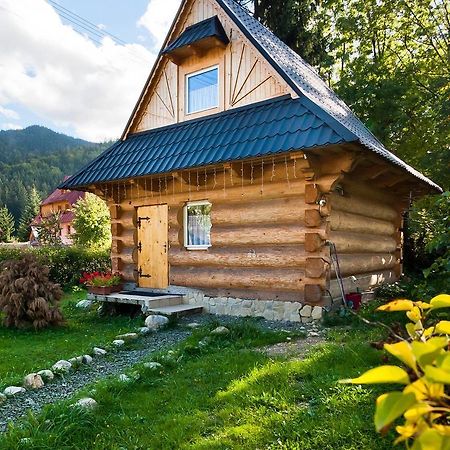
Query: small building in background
[60, 201]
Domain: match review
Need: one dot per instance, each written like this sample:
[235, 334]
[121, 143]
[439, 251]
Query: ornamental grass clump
[424, 372]
[27, 296]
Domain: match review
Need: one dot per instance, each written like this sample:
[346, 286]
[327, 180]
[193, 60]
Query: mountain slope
[36, 140]
[41, 157]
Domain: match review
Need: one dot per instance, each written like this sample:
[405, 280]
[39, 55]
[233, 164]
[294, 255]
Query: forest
[388, 60]
[39, 157]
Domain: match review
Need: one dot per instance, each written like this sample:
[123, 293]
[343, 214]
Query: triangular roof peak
[298, 75]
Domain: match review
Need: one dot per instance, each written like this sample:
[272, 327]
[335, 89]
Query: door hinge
[139, 247]
[143, 275]
[140, 219]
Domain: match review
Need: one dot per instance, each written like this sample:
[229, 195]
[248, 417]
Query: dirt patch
[295, 349]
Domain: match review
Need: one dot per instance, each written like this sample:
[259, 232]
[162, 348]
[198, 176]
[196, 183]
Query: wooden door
[152, 233]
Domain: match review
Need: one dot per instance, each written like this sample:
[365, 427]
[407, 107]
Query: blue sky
[53, 74]
[119, 16]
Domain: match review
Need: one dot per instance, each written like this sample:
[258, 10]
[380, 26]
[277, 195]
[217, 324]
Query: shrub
[27, 296]
[424, 401]
[428, 245]
[92, 222]
[66, 264]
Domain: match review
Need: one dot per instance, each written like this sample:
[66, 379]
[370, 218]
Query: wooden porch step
[141, 300]
[176, 310]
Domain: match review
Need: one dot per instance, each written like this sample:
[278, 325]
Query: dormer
[196, 40]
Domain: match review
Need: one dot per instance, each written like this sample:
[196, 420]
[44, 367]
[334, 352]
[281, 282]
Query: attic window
[202, 90]
[197, 225]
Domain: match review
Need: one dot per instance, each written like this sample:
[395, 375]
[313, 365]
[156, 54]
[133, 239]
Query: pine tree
[6, 225]
[30, 211]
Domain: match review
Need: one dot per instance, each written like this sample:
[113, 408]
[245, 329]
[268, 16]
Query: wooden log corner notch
[312, 194]
[313, 293]
[313, 218]
[313, 242]
[114, 211]
[315, 267]
[117, 264]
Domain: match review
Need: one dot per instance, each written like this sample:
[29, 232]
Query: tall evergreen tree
[6, 225]
[301, 24]
[29, 212]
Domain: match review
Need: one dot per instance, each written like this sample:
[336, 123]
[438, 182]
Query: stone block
[248, 303]
[306, 319]
[316, 313]
[306, 311]
[268, 314]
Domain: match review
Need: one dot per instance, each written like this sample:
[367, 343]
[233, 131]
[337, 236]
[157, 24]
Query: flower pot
[104, 290]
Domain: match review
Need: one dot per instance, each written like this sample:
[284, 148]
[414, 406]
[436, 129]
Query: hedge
[66, 264]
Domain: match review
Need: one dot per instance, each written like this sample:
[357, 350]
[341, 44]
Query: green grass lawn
[225, 395]
[25, 351]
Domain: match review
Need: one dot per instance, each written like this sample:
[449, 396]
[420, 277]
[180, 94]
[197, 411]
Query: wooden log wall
[270, 224]
[263, 217]
[364, 223]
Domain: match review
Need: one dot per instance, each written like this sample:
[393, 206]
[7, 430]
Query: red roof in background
[59, 195]
[66, 217]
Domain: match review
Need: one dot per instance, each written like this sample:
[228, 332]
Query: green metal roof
[261, 129]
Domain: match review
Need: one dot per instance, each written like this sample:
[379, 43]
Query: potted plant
[102, 283]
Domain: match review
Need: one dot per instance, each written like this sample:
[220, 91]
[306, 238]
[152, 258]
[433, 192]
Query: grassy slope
[226, 396]
[25, 351]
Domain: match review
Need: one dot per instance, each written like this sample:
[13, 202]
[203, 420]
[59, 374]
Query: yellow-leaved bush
[424, 400]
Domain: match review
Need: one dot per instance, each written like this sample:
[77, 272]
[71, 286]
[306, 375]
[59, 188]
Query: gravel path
[101, 367]
[116, 363]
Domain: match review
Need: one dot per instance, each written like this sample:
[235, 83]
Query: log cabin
[239, 169]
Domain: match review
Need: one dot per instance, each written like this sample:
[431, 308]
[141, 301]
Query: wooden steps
[168, 305]
[176, 310]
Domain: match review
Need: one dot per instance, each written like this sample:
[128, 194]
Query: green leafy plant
[66, 264]
[425, 372]
[429, 229]
[92, 222]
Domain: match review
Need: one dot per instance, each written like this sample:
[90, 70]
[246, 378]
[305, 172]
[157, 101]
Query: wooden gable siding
[245, 77]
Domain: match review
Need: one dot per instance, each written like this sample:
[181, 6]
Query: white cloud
[158, 17]
[8, 113]
[10, 126]
[62, 76]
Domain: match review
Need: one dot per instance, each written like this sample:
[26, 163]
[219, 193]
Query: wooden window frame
[186, 88]
[185, 225]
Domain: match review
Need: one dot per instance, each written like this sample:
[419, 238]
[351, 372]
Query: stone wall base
[269, 309]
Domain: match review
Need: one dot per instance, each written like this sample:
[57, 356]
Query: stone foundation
[270, 310]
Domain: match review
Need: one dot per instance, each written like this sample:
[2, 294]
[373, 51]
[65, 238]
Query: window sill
[197, 247]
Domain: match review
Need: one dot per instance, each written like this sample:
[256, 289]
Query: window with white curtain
[202, 90]
[197, 225]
